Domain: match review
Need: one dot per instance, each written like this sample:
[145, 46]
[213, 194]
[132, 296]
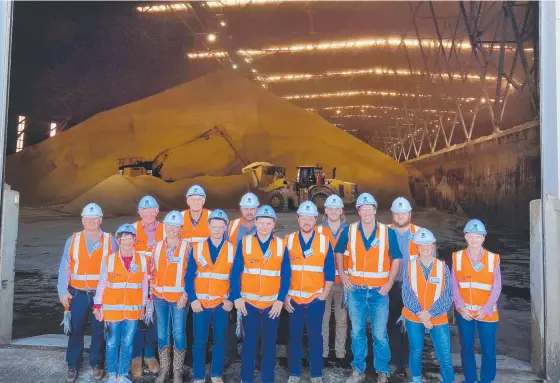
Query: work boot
[217, 379]
[178, 360]
[136, 367]
[153, 365]
[72, 375]
[382, 378]
[394, 368]
[165, 365]
[356, 377]
[293, 379]
[98, 373]
[407, 373]
[316, 380]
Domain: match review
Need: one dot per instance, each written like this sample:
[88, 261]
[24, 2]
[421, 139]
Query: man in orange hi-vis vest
[312, 265]
[207, 283]
[120, 300]
[78, 277]
[195, 226]
[240, 227]
[260, 279]
[372, 262]
[149, 231]
[405, 230]
[477, 284]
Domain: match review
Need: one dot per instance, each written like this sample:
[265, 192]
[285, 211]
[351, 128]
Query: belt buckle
[365, 287]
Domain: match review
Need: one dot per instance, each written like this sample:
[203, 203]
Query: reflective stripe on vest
[121, 308]
[382, 229]
[279, 249]
[255, 297]
[76, 257]
[234, 225]
[268, 273]
[414, 277]
[300, 294]
[177, 288]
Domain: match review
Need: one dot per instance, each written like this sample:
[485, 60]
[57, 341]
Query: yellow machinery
[310, 184]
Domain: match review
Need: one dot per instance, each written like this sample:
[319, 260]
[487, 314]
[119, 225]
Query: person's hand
[182, 302]
[196, 306]
[240, 306]
[275, 310]
[65, 299]
[429, 325]
[227, 305]
[322, 296]
[424, 316]
[288, 304]
[480, 315]
[466, 314]
[384, 290]
[98, 313]
[345, 279]
[142, 312]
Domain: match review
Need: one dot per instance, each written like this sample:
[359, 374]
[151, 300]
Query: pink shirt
[151, 233]
[488, 307]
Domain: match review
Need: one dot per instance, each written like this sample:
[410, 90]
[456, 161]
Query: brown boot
[164, 359]
[136, 367]
[153, 365]
[178, 359]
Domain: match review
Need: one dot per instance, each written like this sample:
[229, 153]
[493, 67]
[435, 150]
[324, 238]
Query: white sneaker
[356, 377]
[215, 379]
[316, 380]
[293, 379]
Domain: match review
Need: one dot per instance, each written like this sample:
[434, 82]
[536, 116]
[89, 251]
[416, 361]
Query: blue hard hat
[92, 210]
[196, 190]
[401, 205]
[218, 214]
[307, 209]
[126, 228]
[334, 201]
[424, 237]
[249, 201]
[475, 226]
[266, 211]
[365, 199]
[174, 218]
[148, 202]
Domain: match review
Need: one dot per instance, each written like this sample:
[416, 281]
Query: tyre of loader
[319, 197]
[278, 200]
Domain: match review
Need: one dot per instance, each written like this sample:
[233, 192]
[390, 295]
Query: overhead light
[223, 23]
[234, 66]
[211, 37]
[338, 111]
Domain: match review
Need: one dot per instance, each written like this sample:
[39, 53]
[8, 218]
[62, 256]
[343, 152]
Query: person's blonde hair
[342, 217]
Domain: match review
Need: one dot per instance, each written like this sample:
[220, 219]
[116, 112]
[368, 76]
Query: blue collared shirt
[192, 267]
[404, 242]
[342, 244]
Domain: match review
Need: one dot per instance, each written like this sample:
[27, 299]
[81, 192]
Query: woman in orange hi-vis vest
[120, 300]
[426, 294]
[477, 284]
[333, 224]
[169, 265]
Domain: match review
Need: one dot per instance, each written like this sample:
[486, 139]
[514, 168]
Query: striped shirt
[440, 306]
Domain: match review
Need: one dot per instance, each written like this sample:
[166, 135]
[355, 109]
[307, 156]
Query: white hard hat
[249, 201]
[126, 228]
[92, 210]
[307, 209]
[475, 226]
[334, 201]
[174, 218]
[148, 202]
[266, 211]
[196, 190]
[218, 214]
[424, 237]
[401, 205]
[365, 199]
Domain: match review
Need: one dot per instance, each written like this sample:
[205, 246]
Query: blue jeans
[219, 319]
[119, 346]
[309, 315]
[169, 315]
[145, 340]
[361, 303]
[81, 309]
[441, 338]
[487, 336]
[254, 323]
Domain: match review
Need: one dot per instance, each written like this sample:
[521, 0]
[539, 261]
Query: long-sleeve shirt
[488, 307]
[440, 306]
[64, 268]
[103, 280]
[238, 266]
[328, 269]
[192, 267]
[342, 244]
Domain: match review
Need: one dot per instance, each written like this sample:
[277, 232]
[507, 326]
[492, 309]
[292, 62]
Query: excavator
[310, 184]
[136, 166]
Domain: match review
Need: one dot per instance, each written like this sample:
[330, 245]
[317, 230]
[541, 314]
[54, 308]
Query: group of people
[137, 287]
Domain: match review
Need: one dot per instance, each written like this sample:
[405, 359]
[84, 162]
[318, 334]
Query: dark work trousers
[398, 340]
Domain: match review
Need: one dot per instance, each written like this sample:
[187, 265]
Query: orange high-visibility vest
[211, 282]
[122, 297]
[427, 291]
[169, 280]
[326, 231]
[368, 268]
[195, 234]
[308, 278]
[233, 230]
[260, 280]
[142, 238]
[476, 286]
[412, 248]
[85, 268]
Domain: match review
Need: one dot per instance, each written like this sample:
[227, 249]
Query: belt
[73, 290]
[366, 287]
